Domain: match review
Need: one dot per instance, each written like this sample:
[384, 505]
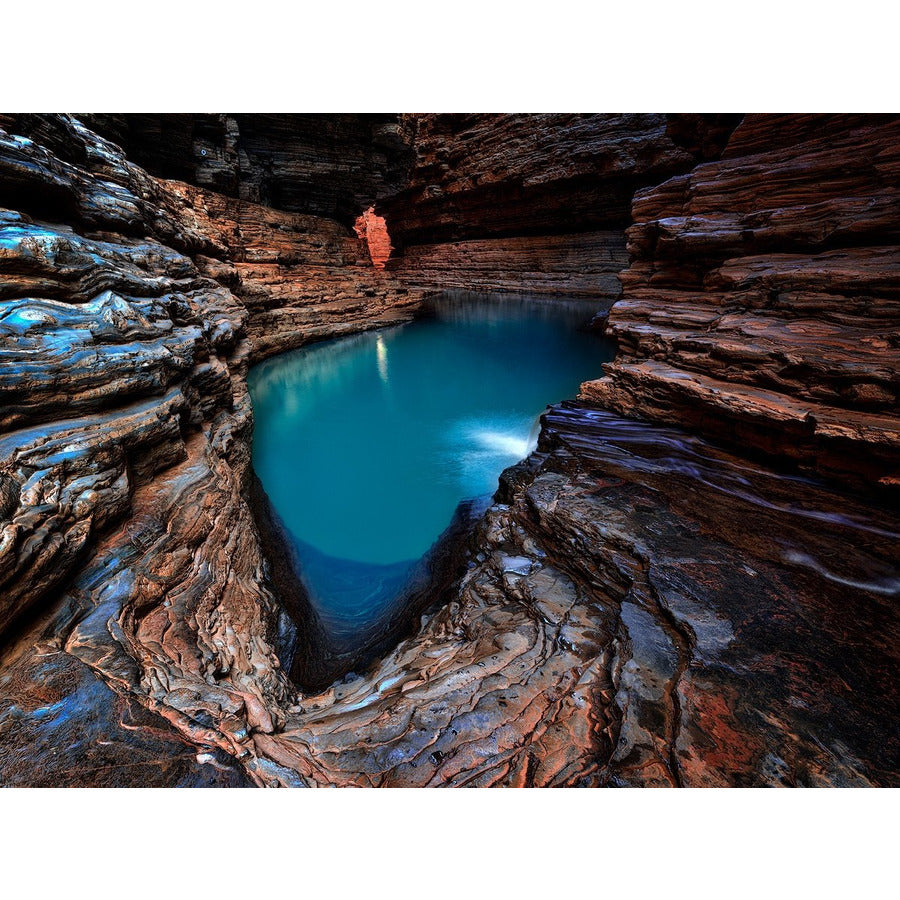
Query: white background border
[462, 56]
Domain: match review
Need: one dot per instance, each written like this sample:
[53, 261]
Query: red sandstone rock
[577, 265]
[479, 175]
[761, 303]
[125, 528]
[533, 203]
[640, 607]
[372, 229]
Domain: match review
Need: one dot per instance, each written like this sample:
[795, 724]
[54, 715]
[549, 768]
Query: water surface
[366, 445]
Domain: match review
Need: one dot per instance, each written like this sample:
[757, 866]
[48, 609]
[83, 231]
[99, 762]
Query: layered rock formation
[332, 165]
[638, 606]
[761, 302]
[533, 203]
[129, 554]
[301, 278]
[580, 265]
[478, 175]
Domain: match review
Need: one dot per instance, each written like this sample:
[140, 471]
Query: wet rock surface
[639, 606]
[736, 612]
[125, 453]
[642, 609]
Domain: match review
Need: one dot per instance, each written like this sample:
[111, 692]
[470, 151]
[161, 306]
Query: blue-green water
[366, 445]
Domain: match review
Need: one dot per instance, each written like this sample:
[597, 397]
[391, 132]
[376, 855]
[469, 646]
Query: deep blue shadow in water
[350, 595]
[367, 445]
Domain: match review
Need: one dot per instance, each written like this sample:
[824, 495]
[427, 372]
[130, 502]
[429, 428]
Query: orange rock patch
[373, 230]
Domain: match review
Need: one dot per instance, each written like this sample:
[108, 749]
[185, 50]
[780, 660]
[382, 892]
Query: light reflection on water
[367, 444]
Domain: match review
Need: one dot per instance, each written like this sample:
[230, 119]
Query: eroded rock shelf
[693, 581]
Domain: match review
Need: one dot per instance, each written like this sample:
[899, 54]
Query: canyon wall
[760, 304]
[638, 606]
[133, 581]
[332, 165]
[533, 203]
[301, 278]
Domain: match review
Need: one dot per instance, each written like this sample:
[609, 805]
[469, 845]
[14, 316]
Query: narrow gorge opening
[375, 449]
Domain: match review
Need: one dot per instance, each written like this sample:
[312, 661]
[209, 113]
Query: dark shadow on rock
[372, 607]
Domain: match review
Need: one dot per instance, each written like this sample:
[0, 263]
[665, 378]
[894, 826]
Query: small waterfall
[506, 443]
[533, 436]
[500, 444]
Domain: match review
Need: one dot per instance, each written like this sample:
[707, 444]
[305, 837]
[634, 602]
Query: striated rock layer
[300, 278]
[332, 165]
[761, 303]
[481, 175]
[637, 607]
[533, 203]
[577, 265]
[130, 562]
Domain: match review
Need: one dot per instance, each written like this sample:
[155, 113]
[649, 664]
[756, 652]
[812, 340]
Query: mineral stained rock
[128, 552]
[639, 606]
[372, 229]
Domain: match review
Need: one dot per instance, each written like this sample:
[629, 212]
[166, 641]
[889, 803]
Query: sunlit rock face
[638, 606]
[372, 229]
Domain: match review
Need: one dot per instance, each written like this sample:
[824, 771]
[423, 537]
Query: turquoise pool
[366, 445]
